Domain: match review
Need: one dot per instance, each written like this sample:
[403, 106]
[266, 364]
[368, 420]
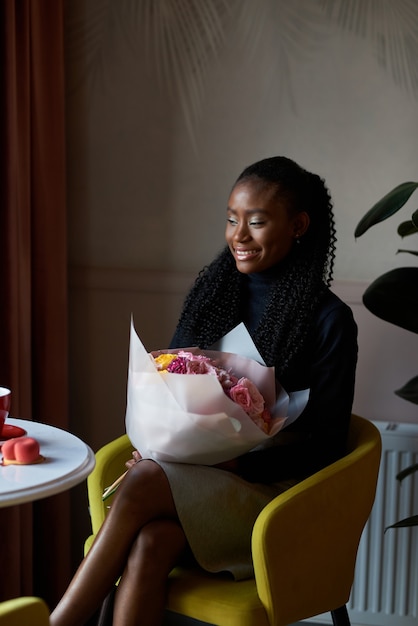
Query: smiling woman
[164, 512]
[280, 234]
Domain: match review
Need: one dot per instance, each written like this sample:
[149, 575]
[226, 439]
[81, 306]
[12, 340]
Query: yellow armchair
[26, 611]
[304, 542]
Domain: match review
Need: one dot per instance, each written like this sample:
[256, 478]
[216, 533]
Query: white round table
[68, 461]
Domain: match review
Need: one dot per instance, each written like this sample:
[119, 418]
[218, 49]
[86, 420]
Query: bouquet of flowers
[241, 390]
[200, 407]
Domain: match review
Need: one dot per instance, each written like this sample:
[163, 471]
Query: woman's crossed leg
[141, 539]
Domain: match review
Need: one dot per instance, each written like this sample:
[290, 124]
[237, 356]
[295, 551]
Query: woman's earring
[297, 239]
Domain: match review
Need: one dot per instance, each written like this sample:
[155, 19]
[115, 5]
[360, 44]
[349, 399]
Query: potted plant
[393, 297]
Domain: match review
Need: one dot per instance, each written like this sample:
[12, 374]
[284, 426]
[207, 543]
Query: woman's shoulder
[331, 302]
[332, 309]
[333, 330]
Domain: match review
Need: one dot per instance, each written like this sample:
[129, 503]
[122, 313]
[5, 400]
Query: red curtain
[35, 539]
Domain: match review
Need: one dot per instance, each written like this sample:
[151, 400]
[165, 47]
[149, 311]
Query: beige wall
[148, 180]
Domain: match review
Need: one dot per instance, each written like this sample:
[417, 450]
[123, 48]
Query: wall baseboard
[165, 281]
[130, 280]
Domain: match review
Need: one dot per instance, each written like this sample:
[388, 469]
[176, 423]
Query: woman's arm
[318, 437]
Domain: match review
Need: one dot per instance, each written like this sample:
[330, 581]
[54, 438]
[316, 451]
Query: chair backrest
[26, 611]
[305, 541]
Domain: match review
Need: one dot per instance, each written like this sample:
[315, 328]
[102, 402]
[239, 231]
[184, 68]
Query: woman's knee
[144, 480]
[143, 471]
[160, 542]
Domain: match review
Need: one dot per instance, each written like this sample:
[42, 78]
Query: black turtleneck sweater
[256, 292]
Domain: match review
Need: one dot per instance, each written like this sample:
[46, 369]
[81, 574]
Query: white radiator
[385, 589]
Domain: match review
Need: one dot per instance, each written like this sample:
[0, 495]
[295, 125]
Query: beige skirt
[217, 511]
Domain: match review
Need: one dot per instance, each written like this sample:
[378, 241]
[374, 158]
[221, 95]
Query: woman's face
[259, 231]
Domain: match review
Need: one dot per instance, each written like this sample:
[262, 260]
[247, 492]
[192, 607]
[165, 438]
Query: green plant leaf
[409, 391]
[414, 218]
[393, 297]
[407, 228]
[405, 523]
[386, 207]
[414, 252]
[407, 472]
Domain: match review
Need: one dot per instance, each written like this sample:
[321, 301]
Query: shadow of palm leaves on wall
[178, 39]
[392, 27]
[181, 39]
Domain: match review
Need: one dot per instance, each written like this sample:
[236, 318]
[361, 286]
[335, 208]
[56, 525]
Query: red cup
[5, 400]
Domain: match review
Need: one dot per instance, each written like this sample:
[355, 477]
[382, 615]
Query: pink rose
[190, 364]
[198, 367]
[193, 357]
[226, 379]
[247, 396]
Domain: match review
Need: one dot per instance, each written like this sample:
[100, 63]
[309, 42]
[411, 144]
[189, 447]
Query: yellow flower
[164, 360]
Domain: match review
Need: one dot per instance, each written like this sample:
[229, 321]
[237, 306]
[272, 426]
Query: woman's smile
[244, 255]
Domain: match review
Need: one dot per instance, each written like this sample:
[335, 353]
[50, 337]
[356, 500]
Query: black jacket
[326, 365]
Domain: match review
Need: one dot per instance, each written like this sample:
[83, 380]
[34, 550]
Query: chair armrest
[110, 464]
[305, 541]
[24, 610]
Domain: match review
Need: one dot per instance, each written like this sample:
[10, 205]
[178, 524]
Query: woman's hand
[136, 457]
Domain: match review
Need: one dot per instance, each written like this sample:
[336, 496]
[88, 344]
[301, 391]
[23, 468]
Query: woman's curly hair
[214, 304]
